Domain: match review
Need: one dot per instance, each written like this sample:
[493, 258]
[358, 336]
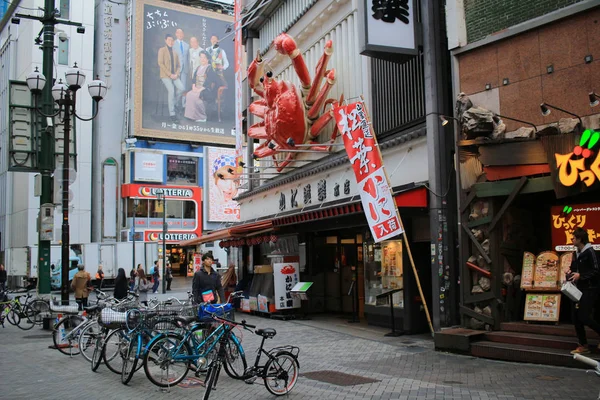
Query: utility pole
[46, 156]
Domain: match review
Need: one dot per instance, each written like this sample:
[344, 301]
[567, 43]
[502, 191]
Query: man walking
[585, 273]
[183, 51]
[206, 284]
[170, 73]
[81, 285]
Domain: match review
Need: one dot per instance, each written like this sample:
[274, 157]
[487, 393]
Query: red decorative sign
[364, 155]
[565, 219]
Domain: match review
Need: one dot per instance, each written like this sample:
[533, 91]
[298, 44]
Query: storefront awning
[241, 230]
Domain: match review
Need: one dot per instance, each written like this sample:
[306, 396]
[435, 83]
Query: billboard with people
[184, 82]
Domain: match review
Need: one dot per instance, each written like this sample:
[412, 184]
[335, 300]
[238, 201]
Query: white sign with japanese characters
[285, 277]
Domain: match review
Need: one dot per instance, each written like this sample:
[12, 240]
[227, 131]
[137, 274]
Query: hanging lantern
[274, 238]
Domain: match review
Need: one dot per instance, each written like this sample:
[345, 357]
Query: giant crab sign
[290, 115]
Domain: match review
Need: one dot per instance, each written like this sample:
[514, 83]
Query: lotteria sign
[150, 191]
[153, 236]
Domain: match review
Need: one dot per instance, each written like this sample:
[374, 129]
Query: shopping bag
[571, 291]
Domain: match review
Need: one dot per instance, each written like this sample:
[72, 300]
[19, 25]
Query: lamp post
[160, 195]
[136, 202]
[66, 98]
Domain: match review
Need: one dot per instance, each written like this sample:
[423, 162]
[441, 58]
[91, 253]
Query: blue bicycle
[169, 357]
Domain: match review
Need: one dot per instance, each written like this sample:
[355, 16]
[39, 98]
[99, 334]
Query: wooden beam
[504, 188]
[526, 152]
[476, 315]
[500, 172]
[468, 201]
[477, 244]
[508, 202]
[479, 297]
[480, 221]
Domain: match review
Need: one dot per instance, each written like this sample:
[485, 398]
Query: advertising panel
[148, 167]
[363, 153]
[566, 218]
[182, 170]
[285, 277]
[223, 185]
[184, 84]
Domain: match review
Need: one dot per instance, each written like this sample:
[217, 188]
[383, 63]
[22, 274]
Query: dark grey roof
[330, 162]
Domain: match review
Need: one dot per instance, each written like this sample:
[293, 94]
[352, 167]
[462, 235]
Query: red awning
[241, 230]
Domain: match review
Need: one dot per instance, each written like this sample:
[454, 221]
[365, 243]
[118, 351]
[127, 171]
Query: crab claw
[285, 44]
[256, 70]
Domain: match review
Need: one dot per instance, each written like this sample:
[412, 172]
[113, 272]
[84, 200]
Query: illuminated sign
[582, 164]
[168, 192]
[566, 219]
[169, 237]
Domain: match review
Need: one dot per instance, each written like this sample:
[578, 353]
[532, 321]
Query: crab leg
[316, 107]
[280, 166]
[264, 151]
[259, 108]
[320, 124]
[285, 45]
[258, 131]
[320, 72]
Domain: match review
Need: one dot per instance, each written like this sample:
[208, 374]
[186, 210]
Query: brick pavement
[405, 368]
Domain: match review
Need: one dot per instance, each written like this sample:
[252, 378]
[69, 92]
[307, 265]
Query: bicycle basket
[205, 312]
[112, 319]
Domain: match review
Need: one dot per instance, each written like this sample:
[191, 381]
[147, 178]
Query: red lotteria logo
[145, 191]
[153, 237]
[288, 270]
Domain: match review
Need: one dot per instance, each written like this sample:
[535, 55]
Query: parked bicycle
[24, 315]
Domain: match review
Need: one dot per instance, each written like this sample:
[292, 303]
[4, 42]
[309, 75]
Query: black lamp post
[136, 202]
[65, 97]
[160, 195]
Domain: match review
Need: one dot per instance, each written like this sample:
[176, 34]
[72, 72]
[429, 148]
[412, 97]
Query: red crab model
[290, 116]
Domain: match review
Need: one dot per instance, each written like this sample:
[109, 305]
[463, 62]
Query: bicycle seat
[187, 320]
[91, 309]
[267, 332]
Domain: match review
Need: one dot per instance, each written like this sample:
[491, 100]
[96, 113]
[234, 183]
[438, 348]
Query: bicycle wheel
[99, 349]
[25, 323]
[235, 359]
[130, 361]
[211, 378]
[160, 365]
[116, 347]
[65, 340]
[281, 373]
[87, 340]
[37, 310]
[13, 317]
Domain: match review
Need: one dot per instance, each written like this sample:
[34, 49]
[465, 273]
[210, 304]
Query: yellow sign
[576, 166]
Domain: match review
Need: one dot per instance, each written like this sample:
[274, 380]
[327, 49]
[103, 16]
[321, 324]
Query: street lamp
[160, 195]
[66, 98]
[136, 202]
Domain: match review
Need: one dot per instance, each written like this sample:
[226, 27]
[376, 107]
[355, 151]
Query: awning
[242, 230]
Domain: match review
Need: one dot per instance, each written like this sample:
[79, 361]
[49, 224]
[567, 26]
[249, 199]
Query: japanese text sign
[285, 277]
[364, 155]
[566, 219]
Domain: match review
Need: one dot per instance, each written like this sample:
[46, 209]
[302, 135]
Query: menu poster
[542, 307]
[565, 264]
[527, 271]
[546, 271]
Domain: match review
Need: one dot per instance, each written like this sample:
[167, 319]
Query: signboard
[365, 157]
[547, 269]
[148, 167]
[173, 236]
[285, 277]
[184, 85]
[182, 170]
[222, 185]
[239, 53]
[197, 264]
[528, 270]
[388, 27]
[566, 218]
[542, 307]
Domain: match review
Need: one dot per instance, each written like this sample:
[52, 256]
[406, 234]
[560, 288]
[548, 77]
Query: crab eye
[262, 80]
[270, 74]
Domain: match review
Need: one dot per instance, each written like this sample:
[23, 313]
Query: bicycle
[590, 362]
[74, 332]
[165, 353]
[271, 372]
[15, 312]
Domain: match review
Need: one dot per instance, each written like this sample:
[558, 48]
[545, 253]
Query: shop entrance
[337, 264]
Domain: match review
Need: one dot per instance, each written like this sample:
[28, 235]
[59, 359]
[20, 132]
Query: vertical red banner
[365, 157]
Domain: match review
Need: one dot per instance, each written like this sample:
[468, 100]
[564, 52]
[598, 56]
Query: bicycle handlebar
[586, 360]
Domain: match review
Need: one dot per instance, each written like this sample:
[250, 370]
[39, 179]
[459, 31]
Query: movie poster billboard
[184, 77]
[223, 185]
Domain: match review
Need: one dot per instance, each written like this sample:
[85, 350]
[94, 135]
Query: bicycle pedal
[250, 381]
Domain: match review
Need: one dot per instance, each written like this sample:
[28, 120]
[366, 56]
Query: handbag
[571, 291]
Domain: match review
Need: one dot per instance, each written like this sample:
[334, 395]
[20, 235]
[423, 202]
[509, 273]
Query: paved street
[402, 368]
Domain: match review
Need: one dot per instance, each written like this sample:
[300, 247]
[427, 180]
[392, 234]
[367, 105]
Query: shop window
[189, 210]
[383, 272]
[141, 210]
[64, 9]
[174, 209]
[348, 241]
[156, 208]
[182, 170]
[331, 240]
[63, 52]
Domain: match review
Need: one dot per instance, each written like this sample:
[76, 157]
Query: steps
[541, 329]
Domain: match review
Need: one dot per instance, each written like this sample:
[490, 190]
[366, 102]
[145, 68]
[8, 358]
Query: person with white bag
[585, 273]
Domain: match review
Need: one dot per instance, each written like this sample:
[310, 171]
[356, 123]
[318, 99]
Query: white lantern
[97, 89]
[75, 78]
[36, 81]
[59, 91]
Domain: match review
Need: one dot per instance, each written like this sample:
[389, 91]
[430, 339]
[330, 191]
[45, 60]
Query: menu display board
[546, 271]
[528, 270]
[565, 264]
[542, 307]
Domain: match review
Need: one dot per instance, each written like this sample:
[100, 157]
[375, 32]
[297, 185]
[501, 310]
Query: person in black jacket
[3, 278]
[121, 285]
[585, 273]
[207, 283]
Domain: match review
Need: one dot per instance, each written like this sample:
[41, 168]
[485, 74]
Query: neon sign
[583, 163]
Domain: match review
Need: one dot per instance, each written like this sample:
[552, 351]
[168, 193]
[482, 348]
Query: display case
[383, 271]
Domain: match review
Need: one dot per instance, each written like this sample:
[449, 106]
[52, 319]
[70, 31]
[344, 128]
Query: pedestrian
[155, 277]
[3, 278]
[99, 277]
[229, 280]
[169, 276]
[132, 276]
[142, 285]
[206, 284]
[585, 273]
[82, 285]
[121, 285]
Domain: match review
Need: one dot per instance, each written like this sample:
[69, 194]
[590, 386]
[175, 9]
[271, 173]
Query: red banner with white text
[365, 157]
